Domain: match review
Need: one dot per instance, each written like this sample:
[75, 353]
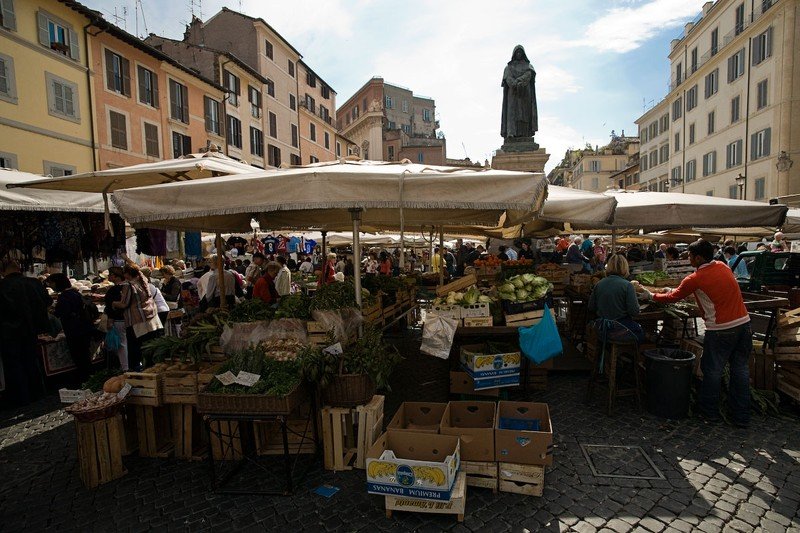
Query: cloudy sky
[598, 62]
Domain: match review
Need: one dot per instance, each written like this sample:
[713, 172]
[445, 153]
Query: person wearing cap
[116, 317]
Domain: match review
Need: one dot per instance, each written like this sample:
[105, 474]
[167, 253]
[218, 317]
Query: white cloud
[331, 18]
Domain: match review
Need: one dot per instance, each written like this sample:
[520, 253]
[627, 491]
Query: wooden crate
[478, 322]
[299, 434]
[225, 440]
[126, 422]
[154, 429]
[537, 378]
[455, 506]
[347, 434]
[181, 386]
[762, 370]
[528, 318]
[457, 285]
[370, 427]
[481, 474]
[100, 451]
[187, 431]
[521, 479]
[146, 388]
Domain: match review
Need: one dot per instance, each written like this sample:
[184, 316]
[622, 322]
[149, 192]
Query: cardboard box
[462, 383]
[414, 465]
[522, 444]
[493, 382]
[473, 423]
[481, 364]
[420, 417]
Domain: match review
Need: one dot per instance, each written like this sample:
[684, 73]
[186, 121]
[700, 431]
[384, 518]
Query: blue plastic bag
[541, 341]
[112, 340]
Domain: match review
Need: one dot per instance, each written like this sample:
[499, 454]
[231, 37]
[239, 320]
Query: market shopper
[371, 264]
[139, 309]
[76, 322]
[598, 254]
[730, 258]
[436, 261]
[614, 299]
[574, 256]
[283, 279]
[385, 268]
[155, 293]
[264, 289]
[116, 317]
[661, 252]
[254, 271]
[728, 337]
[450, 262]
[23, 315]
[306, 267]
[171, 286]
[212, 296]
[525, 251]
[328, 270]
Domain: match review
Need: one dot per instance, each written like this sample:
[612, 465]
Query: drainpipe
[224, 126]
[95, 155]
[787, 103]
[746, 154]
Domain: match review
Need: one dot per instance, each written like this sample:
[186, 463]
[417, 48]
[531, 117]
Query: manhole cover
[629, 462]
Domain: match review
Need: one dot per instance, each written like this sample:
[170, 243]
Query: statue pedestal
[523, 160]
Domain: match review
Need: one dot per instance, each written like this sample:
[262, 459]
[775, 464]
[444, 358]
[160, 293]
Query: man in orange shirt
[728, 338]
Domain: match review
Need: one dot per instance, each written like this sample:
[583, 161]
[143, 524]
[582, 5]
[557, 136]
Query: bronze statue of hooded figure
[520, 118]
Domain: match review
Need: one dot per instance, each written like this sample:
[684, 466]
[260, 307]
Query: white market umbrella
[42, 200]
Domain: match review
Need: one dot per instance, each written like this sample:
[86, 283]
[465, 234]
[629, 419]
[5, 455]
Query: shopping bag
[143, 328]
[112, 340]
[437, 336]
[541, 341]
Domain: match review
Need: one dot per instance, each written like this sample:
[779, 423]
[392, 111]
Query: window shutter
[69, 103]
[753, 147]
[74, 53]
[44, 34]
[730, 68]
[142, 87]
[739, 144]
[756, 51]
[769, 43]
[207, 112]
[9, 19]
[4, 85]
[187, 144]
[109, 69]
[184, 104]
[126, 77]
[154, 78]
[767, 140]
[238, 86]
[174, 108]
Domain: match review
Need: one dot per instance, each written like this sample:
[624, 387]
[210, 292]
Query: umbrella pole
[356, 214]
[402, 248]
[441, 255]
[324, 246]
[613, 241]
[223, 303]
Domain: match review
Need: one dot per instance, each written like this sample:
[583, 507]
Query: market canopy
[790, 226]
[43, 200]
[664, 210]
[320, 196]
[187, 167]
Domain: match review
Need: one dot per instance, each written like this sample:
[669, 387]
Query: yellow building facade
[45, 106]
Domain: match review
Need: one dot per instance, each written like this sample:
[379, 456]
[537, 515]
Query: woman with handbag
[116, 317]
[139, 309]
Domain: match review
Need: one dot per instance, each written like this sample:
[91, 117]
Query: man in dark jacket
[23, 315]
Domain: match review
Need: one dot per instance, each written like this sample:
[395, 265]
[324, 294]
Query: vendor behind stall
[614, 299]
[77, 323]
[264, 289]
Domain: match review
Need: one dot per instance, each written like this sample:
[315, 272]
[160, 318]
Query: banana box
[481, 364]
[413, 465]
[424, 417]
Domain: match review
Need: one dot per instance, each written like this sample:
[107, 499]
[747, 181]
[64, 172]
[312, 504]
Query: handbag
[143, 328]
[113, 342]
[541, 341]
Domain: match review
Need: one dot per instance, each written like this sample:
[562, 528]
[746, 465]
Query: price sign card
[334, 349]
[124, 391]
[227, 378]
[247, 379]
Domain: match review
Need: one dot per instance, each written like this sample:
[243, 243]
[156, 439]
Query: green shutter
[767, 141]
[769, 43]
[154, 80]
[74, 51]
[9, 19]
[44, 34]
[140, 82]
[126, 77]
[110, 82]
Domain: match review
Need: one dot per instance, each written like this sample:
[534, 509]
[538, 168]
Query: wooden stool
[615, 352]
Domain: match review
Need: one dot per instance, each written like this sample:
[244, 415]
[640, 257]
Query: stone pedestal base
[529, 161]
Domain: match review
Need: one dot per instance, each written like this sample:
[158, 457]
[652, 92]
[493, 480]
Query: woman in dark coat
[78, 326]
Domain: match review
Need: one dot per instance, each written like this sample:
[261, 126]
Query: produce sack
[437, 336]
[242, 335]
[287, 328]
[541, 341]
[352, 320]
[331, 321]
[112, 340]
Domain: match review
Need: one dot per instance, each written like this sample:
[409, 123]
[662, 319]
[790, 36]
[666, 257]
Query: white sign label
[247, 379]
[124, 391]
[227, 378]
[334, 349]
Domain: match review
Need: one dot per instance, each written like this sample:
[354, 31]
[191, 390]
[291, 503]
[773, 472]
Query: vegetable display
[334, 296]
[196, 340]
[294, 306]
[254, 310]
[650, 278]
[98, 379]
[278, 378]
[471, 296]
[524, 288]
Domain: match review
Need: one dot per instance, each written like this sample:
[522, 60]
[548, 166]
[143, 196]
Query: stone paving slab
[717, 478]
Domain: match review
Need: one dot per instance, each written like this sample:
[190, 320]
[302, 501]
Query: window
[254, 97]
[270, 87]
[327, 140]
[653, 158]
[406, 128]
[8, 19]
[152, 143]
[733, 154]
[355, 112]
[733, 192]
[119, 130]
[766, 4]
[62, 98]
[148, 86]
[760, 144]
[294, 135]
[8, 160]
[364, 106]
[642, 134]
[664, 122]
[391, 125]
[735, 108]
[390, 152]
[710, 193]
[313, 159]
[736, 66]
[760, 189]
[762, 99]
[691, 170]
[594, 166]
[677, 109]
[712, 83]
[268, 50]
[691, 134]
[212, 114]
[118, 77]
[739, 27]
[643, 163]
[678, 74]
[714, 41]
[709, 163]
[711, 122]
[653, 130]
[762, 47]
[273, 125]
[234, 132]
[295, 159]
[311, 79]
[56, 34]
[256, 142]
[694, 59]
[181, 144]
[677, 142]
[325, 91]
[311, 104]
[58, 170]
[8, 84]
[426, 115]
[178, 101]
[595, 183]
[676, 176]
[292, 102]
[274, 156]
[421, 158]
[291, 68]
[338, 149]
[691, 98]
[404, 106]
[232, 84]
[389, 102]
[664, 154]
[324, 114]
[312, 132]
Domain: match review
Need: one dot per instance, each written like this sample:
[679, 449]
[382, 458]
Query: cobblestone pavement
[715, 478]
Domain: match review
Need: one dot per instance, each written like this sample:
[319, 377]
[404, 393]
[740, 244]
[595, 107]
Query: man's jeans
[729, 346]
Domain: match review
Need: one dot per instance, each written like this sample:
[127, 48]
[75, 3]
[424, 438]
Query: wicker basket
[348, 390]
[250, 404]
[95, 414]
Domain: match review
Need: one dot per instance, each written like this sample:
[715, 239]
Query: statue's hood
[524, 55]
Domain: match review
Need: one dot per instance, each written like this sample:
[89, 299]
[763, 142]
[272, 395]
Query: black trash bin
[669, 381]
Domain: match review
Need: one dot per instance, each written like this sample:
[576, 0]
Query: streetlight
[740, 182]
